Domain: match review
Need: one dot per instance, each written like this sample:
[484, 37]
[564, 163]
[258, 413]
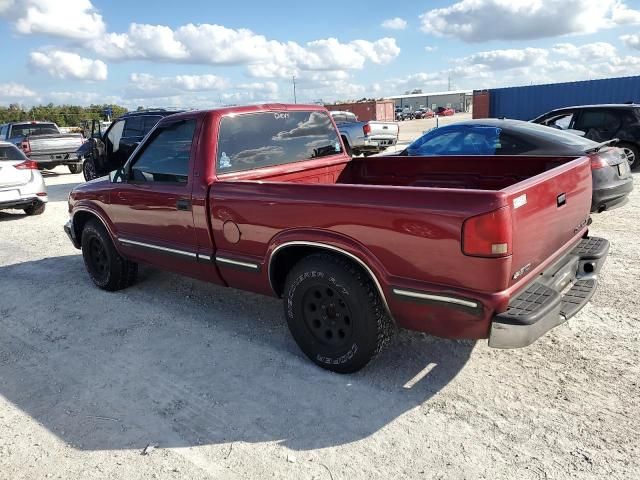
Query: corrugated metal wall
[526, 103]
[481, 103]
[382, 110]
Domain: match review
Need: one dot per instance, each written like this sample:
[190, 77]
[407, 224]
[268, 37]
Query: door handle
[183, 204]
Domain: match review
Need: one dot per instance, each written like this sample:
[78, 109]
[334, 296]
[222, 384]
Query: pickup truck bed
[459, 247]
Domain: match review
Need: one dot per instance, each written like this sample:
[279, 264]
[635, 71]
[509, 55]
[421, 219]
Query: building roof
[431, 94]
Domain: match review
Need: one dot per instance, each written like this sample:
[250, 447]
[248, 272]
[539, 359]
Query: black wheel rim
[327, 316]
[98, 259]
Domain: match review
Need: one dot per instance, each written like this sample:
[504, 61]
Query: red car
[445, 111]
[263, 198]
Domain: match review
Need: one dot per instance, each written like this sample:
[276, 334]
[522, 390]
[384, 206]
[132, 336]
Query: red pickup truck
[264, 198]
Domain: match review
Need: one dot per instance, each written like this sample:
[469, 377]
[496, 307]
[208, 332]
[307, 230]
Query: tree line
[62, 115]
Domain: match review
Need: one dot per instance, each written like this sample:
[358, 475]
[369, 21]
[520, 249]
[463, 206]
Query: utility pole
[449, 83]
[295, 98]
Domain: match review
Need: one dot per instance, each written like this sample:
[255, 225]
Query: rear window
[553, 134]
[33, 129]
[9, 152]
[256, 140]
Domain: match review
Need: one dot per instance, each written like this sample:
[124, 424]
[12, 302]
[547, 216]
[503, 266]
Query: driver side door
[151, 210]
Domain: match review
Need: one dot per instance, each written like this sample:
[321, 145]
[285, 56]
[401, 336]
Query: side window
[3, 131]
[165, 157]
[597, 119]
[561, 122]
[149, 123]
[350, 117]
[133, 127]
[510, 145]
[115, 135]
[256, 140]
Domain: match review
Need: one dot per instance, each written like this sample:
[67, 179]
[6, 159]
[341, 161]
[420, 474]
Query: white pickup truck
[365, 138]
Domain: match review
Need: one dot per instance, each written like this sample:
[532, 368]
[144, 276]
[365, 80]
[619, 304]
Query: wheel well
[80, 219]
[285, 259]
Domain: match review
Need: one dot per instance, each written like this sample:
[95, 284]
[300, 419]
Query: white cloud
[67, 65]
[430, 49]
[75, 19]
[598, 50]
[15, 91]
[144, 85]
[395, 23]
[219, 45]
[631, 41]
[505, 59]
[484, 20]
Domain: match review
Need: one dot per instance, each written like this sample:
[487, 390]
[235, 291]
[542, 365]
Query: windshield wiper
[599, 146]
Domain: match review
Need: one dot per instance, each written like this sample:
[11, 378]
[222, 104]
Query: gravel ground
[212, 378]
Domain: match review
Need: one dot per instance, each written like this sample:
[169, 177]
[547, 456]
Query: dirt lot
[211, 376]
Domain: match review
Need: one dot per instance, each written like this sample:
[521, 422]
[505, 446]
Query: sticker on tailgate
[520, 201]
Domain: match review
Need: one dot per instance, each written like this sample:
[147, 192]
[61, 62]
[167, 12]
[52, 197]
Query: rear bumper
[64, 158]
[611, 197]
[552, 298]
[21, 203]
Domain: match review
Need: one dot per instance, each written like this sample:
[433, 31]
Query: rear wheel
[633, 155]
[89, 169]
[335, 313]
[106, 267]
[75, 167]
[36, 209]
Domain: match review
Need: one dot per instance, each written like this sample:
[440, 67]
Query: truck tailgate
[383, 129]
[50, 144]
[549, 212]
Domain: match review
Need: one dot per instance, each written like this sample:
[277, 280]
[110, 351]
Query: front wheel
[89, 169]
[106, 267]
[335, 313]
[632, 153]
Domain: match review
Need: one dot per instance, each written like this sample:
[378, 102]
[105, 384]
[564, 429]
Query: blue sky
[201, 53]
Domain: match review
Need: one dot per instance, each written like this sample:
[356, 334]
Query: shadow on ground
[177, 362]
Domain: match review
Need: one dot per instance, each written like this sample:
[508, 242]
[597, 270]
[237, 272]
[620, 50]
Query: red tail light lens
[366, 128]
[27, 165]
[25, 146]
[597, 162]
[488, 235]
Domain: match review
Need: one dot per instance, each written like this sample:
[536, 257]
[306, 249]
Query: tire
[335, 313]
[89, 169]
[347, 147]
[37, 209]
[75, 168]
[107, 269]
[633, 155]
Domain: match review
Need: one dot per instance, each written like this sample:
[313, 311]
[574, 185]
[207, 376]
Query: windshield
[33, 129]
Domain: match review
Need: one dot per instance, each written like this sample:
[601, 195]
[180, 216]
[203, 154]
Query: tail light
[27, 165]
[366, 128]
[25, 146]
[488, 235]
[598, 162]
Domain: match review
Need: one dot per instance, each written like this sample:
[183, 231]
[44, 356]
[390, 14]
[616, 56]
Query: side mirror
[118, 176]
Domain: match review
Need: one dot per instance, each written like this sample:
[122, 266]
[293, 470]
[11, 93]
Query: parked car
[43, 143]
[424, 113]
[365, 137]
[263, 198]
[403, 114]
[109, 149]
[601, 123]
[445, 111]
[611, 177]
[21, 184]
